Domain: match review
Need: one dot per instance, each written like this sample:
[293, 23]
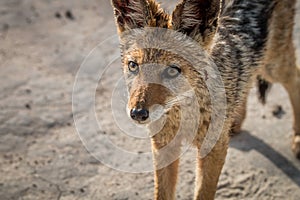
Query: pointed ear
[197, 18]
[130, 14]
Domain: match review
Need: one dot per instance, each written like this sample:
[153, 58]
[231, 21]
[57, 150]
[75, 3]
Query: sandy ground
[42, 45]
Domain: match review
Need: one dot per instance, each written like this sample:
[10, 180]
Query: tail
[263, 88]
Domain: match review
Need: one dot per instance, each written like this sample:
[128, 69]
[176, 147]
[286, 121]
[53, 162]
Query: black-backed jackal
[242, 39]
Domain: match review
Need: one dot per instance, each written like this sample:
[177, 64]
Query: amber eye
[133, 67]
[171, 72]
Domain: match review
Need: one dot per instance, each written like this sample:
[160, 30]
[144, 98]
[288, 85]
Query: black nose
[139, 114]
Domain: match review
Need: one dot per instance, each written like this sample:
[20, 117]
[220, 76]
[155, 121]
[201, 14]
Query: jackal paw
[296, 146]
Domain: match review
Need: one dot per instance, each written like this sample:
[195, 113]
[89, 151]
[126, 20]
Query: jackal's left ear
[197, 18]
[132, 14]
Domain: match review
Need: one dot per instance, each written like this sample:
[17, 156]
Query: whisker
[180, 98]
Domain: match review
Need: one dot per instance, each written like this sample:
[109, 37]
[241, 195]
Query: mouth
[145, 122]
[156, 112]
[158, 119]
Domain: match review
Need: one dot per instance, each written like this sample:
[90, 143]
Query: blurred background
[42, 45]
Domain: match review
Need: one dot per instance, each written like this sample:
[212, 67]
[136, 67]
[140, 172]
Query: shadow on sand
[246, 142]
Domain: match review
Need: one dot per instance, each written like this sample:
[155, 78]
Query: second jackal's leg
[293, 88]
[281, 59]
[208, 171]
[289, 76]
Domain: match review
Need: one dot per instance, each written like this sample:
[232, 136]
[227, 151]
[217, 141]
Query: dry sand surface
[42, 45]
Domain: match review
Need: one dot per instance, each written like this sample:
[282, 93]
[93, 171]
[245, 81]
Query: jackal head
[155, 71]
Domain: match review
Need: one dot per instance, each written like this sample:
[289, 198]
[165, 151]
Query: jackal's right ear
[197, 18]
[130, 14]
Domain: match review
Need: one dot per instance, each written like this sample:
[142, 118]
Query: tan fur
[200, 20]
[280, 61]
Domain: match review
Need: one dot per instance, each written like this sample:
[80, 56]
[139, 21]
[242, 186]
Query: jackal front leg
[209, 169]
[166, 161]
